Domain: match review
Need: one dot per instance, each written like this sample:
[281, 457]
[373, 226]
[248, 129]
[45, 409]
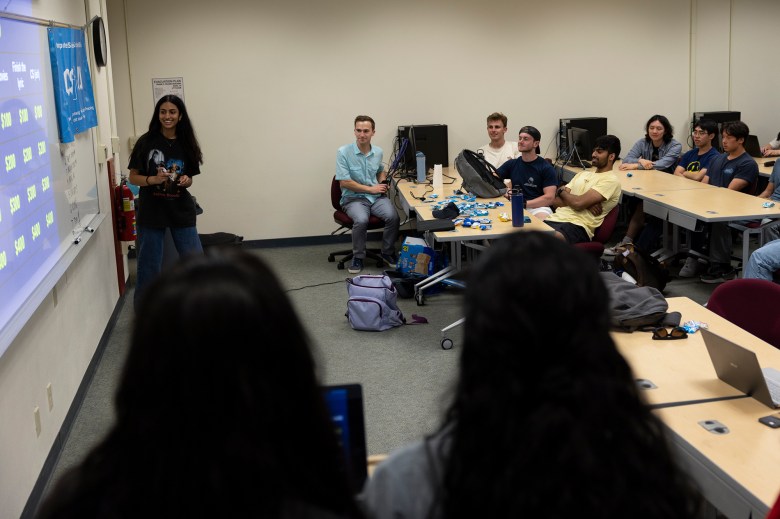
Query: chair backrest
[604, 231]
[751, 304]
[335, 194]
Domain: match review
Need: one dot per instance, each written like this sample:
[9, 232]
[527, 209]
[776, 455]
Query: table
[765, 171]
[682, 370]
[737, 472]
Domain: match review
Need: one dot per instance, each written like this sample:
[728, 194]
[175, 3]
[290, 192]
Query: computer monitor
[580, 146]
[596, 126]
[430, 139]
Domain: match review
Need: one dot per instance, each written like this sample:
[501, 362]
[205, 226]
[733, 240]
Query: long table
[737, 471]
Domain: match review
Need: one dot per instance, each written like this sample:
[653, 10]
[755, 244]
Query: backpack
[372, 303]
[478, 175]
[634, 307]
[640, 265]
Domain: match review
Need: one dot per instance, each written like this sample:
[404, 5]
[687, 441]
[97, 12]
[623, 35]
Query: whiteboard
[49, 204]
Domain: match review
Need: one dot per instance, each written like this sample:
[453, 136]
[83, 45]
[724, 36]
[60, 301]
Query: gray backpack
[373, 303]
[478, 175]
[637, 308]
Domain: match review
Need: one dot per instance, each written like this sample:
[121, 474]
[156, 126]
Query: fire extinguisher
[125, 224]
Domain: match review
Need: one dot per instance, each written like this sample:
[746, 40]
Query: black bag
[643, 267]
[220, 239]
[634, 307]
[478, 175]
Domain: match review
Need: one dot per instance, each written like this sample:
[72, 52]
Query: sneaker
[690, 269]
[390, 259]
[356, 266]
[718, 276]
[617, 249]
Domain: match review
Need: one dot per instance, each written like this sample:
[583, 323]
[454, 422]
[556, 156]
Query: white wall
[59, 341]
[273, 86]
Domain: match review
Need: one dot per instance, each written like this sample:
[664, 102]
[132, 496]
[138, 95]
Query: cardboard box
[416, 257]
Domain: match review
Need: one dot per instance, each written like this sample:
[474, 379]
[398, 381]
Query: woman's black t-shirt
[162, 205]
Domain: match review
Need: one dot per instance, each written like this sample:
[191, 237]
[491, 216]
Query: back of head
[545, 403]
[218, 409]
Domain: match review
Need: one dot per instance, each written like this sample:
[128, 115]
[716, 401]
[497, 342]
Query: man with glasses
[693, 165]
[361, 176]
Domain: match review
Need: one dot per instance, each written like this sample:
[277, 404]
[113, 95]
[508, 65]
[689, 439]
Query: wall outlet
[49, 396]
[37, 417]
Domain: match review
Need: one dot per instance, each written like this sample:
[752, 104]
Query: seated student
[764, 262]
[583, 203]
[498, 150]
[546, 418]
[531, 173]
[772, 149]
[218, 411]
[658, 150]
[772, 192]
[734, 169]
[693, 165]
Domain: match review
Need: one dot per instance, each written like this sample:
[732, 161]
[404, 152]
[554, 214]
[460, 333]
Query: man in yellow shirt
[582, 204]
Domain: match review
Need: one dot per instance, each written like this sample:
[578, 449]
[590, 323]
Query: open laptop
[739, 368]
[345, 403]
[753, 147]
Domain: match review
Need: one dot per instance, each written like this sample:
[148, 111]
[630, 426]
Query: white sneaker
[617, 249]
[690, 269]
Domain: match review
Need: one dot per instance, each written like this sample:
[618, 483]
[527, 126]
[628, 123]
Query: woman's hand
[185, 181]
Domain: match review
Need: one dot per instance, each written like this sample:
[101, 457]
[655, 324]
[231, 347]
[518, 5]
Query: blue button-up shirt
[352, 164]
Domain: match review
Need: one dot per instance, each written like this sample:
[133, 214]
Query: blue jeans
[150, 252]
[764, 262]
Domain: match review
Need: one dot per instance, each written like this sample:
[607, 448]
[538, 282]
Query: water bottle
[420, 166]
[516, 196]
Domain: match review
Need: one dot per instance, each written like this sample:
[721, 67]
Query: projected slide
[48, 191]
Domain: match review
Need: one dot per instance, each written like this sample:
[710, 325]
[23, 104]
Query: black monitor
[596, 126]
[580, 146]
[430, 139]
[719, 118]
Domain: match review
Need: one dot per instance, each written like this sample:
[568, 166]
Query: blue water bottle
[516, 196]
[420, 166]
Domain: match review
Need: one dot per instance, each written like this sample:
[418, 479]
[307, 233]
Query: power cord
[313, 286]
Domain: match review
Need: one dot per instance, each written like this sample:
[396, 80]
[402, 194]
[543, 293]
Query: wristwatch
[560, 190]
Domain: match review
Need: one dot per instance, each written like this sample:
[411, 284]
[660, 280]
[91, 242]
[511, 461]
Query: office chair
[751, 304]
[602, 235]
[345, 224]
[752, 227]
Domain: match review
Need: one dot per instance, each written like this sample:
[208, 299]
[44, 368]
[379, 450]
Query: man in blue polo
[361, 175]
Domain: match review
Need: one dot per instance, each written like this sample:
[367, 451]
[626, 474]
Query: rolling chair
[602, 234]
[751, 304]
[345, 224]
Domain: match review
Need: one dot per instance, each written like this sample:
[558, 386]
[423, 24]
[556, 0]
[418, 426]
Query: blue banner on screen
[72, 84]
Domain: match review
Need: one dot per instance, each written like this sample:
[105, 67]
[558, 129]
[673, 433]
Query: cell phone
[772, 421]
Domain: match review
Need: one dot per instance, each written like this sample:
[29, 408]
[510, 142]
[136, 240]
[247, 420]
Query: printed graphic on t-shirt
[694, 167]
[175, 168]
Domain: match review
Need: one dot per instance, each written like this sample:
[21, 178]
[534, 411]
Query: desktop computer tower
[430, 139]
[596, 126]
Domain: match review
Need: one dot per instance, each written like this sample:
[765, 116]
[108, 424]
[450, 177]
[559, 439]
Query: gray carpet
[407, 378]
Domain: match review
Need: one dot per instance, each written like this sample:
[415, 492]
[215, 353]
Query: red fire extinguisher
[125, 224]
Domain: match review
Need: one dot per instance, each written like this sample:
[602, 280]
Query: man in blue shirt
[531, 173]
[733, 169]
[693, 165]
[361, 175]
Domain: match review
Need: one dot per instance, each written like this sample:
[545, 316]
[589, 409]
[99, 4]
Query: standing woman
[162, 164]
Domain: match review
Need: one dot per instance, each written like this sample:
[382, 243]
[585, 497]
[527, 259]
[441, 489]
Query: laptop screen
[345, 403]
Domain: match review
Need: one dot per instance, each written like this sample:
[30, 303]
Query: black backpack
[478, 175]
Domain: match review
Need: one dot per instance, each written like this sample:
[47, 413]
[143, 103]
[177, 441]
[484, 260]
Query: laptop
[345, 403]
[739, 368]
[753, 147]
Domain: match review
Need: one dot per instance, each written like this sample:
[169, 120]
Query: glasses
[699, 132]
[662, 334]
